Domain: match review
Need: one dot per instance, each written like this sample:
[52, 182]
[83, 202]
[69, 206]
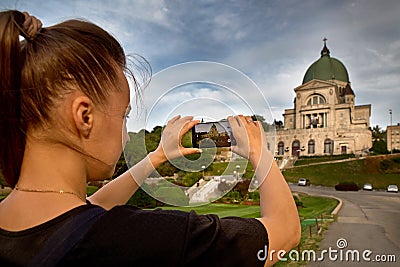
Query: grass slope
[332, 174]
[223, 210]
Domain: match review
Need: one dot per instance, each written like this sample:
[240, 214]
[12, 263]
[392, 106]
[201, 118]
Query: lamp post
[203, 168]
[237, 171]
[391, 135]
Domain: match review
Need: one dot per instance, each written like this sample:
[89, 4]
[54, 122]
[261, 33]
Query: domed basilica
[324, 119]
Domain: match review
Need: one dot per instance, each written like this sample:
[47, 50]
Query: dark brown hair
[34, 73]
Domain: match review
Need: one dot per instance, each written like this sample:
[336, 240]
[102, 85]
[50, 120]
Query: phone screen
[210, 134]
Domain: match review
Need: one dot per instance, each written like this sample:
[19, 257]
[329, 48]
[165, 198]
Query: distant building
[325, 119]
[220, 138]
[393, 137]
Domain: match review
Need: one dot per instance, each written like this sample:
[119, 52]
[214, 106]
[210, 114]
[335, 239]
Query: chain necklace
[50, 191]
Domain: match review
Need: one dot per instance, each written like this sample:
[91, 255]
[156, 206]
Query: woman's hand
[170, 146]
[249, 135]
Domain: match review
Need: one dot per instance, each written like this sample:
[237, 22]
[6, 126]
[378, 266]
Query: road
[367, 221]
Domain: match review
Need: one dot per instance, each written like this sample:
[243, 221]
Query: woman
[64, 101]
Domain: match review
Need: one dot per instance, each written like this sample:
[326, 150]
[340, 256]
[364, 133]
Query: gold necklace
[49, 191]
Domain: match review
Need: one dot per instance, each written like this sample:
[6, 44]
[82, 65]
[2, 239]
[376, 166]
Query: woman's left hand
[170, 146]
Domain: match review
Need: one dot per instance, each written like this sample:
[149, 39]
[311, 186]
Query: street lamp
[203, 168]
[391, 134]
[237, 171]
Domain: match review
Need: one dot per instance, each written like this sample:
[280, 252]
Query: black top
[129, 236]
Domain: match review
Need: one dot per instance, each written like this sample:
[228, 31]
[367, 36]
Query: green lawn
[313, 206]
[317, 159]
[223, 210]
[219, 168]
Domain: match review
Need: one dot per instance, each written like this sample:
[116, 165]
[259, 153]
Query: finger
[242, 120]
[186, 119]
[259, 124]
[189, 125]
[177, 117]
[248, 119]
[233, 121]
[190, 150]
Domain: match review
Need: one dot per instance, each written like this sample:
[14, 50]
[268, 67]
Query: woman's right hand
[249, 135]
[170, 146]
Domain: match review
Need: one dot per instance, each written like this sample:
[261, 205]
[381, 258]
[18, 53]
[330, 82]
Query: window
[328, 146]
[311, 147]
[316, 100]
[281, 147]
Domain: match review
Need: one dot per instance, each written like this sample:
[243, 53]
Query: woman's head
[38, 75]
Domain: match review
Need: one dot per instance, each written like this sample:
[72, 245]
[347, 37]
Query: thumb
[188, 151]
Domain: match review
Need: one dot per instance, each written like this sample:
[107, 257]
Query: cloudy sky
[271, 42]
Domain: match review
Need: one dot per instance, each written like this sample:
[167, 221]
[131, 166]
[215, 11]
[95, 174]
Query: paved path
[367, 221]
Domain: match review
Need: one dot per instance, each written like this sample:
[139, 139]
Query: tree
[278, 124]
[379, 145]
[377, 133]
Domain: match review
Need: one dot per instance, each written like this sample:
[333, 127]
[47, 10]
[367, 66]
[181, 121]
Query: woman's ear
[82, 112]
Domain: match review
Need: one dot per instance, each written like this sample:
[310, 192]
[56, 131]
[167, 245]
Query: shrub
[391, 165]
[255, 196]
[142, 199]
[297, 200]
[347, 186]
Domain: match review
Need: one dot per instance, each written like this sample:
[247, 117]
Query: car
[303, 182]
[392, 188]
[367, 186]
[347, 186]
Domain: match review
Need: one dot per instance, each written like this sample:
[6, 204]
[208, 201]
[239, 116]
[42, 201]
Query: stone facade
[393, 137]
[324, 120]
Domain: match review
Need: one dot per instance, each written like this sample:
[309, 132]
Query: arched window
[316, 99]
[328, 146]
[281, 147]
[311, 147]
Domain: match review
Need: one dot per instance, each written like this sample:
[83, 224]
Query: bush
[142, 200]
[347, 186]
[255, 196]
[234, 195]
[297, 200]
[391, 165]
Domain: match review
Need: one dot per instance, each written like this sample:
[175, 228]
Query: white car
[367, 186]
[392, 188]
[303, 182]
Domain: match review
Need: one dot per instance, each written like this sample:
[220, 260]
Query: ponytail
[12, 138]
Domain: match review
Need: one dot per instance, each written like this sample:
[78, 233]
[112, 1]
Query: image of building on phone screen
[215, 131]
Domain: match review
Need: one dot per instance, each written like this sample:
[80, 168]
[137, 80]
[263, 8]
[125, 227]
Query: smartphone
[210, 134]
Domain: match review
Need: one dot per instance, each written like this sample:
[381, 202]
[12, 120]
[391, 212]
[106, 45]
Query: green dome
[326, 68]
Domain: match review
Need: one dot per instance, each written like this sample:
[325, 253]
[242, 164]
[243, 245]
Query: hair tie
[31, 27]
